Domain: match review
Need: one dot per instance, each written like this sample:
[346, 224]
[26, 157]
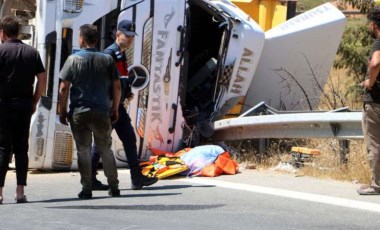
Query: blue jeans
[96, 124]
[15, 115]
[126, 134]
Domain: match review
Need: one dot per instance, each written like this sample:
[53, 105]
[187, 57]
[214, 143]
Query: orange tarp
[222, 165]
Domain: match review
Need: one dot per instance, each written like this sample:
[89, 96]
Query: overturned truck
[191, 62]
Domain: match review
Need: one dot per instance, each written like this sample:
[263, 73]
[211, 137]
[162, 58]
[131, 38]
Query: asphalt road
[250, 200]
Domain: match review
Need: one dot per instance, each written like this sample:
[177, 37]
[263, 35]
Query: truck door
[155, 111]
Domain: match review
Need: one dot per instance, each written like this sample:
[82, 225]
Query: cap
[127, 27]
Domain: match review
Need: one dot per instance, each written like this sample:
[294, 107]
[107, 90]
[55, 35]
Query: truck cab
[192, 61]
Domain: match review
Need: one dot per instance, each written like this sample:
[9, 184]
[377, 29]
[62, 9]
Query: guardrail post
[343, 151]
[263, 147]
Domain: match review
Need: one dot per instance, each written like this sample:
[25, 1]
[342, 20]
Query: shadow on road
[104, 197]
[142, 207]
[167, 187]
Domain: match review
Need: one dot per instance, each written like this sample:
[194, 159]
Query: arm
[64, 94]
[116, 99]
[373, 70]
[40, 88]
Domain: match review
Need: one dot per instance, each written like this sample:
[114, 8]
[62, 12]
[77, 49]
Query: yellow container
[250, 7]
[279, 13]
[267, 13]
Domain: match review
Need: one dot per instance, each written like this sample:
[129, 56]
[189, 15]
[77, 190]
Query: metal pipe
[103, 34]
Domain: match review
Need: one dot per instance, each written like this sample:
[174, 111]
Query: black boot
[139, 180]
[97, 185]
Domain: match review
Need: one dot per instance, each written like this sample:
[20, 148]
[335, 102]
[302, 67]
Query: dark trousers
[15, 116]
[126, 133]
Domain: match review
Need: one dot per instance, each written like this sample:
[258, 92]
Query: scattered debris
[302, 155]
[285, 166]
[247, 165]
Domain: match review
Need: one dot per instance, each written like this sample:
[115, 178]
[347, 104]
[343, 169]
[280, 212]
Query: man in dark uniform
[19, 66]
[371, 110]
[124, 38]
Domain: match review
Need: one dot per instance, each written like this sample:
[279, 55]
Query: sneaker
[99, 186]
[141, 181]
[21, 200]
[114, 192]
[85, 195]
[367, 190]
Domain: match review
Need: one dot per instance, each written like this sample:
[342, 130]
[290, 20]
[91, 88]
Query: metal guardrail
[257, 123]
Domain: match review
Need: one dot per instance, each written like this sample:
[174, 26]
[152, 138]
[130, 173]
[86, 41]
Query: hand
[126, 103]
[131, 96]
[63, 118]
[34, 108]
[114, 115]
[365, 84]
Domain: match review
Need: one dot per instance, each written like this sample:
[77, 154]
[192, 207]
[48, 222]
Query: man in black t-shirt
[19, 66]
[371, 110]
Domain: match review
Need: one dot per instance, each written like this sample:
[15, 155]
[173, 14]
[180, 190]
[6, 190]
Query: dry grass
[339, 92]
[327, 165]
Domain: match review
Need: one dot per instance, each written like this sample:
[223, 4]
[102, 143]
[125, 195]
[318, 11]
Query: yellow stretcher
[163, 166]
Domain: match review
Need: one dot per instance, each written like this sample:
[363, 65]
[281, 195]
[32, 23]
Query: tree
[304, 5]
[354, 49]
[363, 5]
